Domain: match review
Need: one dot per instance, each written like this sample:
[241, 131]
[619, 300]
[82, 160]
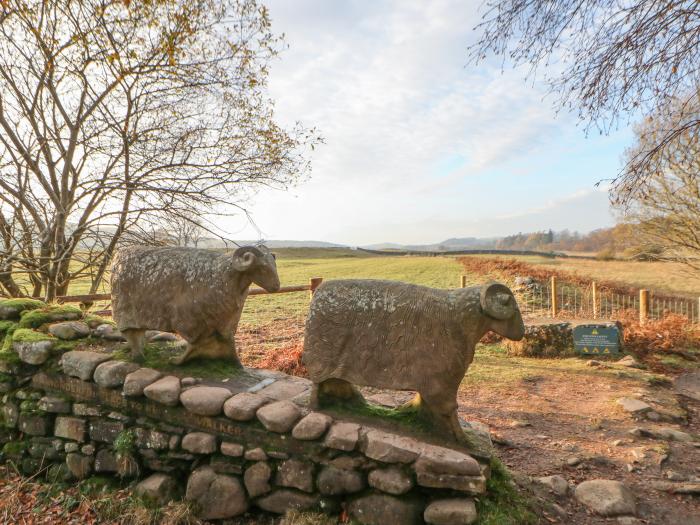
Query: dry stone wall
[229, 446]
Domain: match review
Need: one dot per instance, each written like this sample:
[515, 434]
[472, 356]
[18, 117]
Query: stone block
[106, 461]
[34, 424]
[606, 497]
[380, 509]
[312, 426]
[165, 391]
[82, 409]
[279, 416]
[205, 400]
[113, 373]
[158, 488]
[152, 439]
[296, 474]
[69, 330]
[82, 364]
[469, 484]
[217, 495]
[243, 406]
[453, 511]
[333, 481]
[199, 443]
[284, 500]
[255, 454]
[440, 460]
[33, 352]
[53, 404]
[105, 431]
[232, 449]
[79, 465]
[391, 480]
[257, 479]
[391, 448]
[342, 435]
[135, 382]
[72, 428]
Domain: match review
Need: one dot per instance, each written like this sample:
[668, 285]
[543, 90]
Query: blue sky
[421, 146]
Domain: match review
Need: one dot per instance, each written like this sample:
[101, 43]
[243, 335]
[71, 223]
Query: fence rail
[314, 283]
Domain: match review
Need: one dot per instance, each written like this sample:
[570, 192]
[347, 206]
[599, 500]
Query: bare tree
[116, 115]
[609, 59]
[666, 207]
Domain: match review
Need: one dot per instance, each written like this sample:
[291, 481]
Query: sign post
[597, 339]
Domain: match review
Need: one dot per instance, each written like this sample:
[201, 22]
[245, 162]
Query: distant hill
[210, 242]
[454, 244]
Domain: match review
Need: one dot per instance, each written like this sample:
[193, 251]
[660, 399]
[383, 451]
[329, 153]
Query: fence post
[553, 290]
[314, 283]
[594, 292]
[643, 305]
[463, 281]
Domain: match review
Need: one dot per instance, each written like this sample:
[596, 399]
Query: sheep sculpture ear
[243, 259]
[497, 301]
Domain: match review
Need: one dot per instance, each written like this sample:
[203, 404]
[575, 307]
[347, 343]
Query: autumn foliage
[672, 333]
[286, 359]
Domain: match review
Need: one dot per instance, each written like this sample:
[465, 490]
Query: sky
[421, 145]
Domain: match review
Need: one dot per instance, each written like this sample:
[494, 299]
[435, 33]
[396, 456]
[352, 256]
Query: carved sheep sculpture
[400, 336]
[196, 293]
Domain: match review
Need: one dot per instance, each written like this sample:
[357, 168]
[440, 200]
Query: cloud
[407, 123]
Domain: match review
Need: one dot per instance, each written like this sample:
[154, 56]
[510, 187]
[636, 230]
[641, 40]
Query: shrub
[545, 340]
[671, 333]
[606, 254]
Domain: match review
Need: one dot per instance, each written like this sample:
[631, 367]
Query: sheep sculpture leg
[440, 411]
[215, 346]
[136, 340]
[336, 389]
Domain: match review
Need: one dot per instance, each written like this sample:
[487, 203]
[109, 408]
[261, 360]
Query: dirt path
[541, 421]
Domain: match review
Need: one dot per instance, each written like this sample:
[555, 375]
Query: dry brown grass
[608, 275]
[671, 278]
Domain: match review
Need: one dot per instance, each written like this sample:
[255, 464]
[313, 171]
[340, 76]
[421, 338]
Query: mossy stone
[50, 314]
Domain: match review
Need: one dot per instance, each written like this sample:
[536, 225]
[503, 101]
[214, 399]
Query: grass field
[296, 267]
[672, 278]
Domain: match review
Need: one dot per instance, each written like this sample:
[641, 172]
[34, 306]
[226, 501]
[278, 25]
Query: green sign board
[597, 339]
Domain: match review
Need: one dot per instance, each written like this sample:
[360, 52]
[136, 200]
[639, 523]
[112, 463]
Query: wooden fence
[89, 299]
[561, 300]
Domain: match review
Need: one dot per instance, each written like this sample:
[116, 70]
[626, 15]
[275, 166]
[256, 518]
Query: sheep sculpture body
[198, 294]
[400, 336]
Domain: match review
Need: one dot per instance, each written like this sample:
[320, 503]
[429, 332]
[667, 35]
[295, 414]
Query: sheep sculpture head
[400, 336]
[198, 294]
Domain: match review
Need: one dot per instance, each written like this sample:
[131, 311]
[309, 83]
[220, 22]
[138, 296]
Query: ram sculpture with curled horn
[400, 336]
[198, 294]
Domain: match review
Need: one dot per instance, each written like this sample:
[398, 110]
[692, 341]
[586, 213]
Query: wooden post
[314, 283]
[594, 292]
[553, 286]
[643, 305]
[463, 281]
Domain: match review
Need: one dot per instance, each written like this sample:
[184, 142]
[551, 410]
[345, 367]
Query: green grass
[409, 417]
[437, 272]
[493, 366]
[158, 356]
[503, 504]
